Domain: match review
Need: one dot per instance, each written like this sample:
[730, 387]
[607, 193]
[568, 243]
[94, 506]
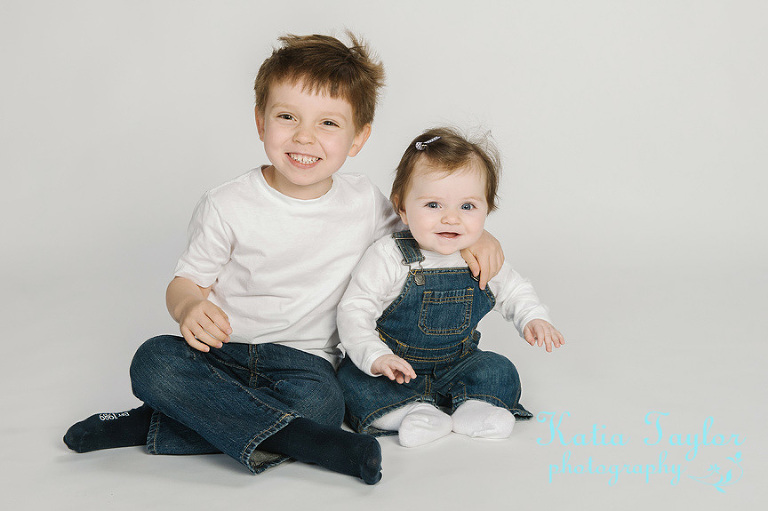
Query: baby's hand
[394, 368]
[540, 332]
[204, 325]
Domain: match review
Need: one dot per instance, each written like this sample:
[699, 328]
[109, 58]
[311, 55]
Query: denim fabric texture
[230, 399]
[432, 324]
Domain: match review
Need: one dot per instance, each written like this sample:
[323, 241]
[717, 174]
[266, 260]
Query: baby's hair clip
[421, 146]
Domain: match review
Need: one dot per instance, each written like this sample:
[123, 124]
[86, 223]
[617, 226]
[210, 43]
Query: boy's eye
[287, 117]
[467, 206]
[432, 205]
[330, 123]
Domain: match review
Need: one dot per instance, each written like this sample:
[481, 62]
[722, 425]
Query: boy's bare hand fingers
[474, 267]
[485, 272]
[213, 330]
[203, 336]
[193, 343]
[219, 318]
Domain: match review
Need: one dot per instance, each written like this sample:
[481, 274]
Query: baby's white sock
[424, 423]
[391, 421]
[479, 419]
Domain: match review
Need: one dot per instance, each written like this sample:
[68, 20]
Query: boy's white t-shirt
[278, 266]
[379, 279]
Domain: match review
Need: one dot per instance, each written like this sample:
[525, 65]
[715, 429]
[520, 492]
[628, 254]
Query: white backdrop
[634, 143]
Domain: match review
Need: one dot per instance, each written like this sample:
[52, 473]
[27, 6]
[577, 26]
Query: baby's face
[445, 211]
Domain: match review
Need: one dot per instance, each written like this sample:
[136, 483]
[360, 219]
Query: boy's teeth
[306, 160]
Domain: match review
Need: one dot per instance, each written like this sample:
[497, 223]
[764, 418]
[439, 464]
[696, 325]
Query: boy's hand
[394, 368]
[204, 325]
[540, 332]
[484, 258]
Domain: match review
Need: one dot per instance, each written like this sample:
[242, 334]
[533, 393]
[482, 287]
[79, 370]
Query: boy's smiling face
[307, 137]
[445, 211]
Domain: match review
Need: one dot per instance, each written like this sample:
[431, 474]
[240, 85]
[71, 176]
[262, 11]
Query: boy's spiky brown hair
[323, 64]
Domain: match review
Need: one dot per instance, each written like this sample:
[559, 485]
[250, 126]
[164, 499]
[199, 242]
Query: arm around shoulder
[485, 258]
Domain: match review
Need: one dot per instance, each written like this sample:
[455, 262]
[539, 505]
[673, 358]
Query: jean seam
[242, 387]
[154, 430]
[392, 306]
[254, 442]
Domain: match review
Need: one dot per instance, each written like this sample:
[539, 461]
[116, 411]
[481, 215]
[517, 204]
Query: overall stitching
[392, 306]
[466, 299]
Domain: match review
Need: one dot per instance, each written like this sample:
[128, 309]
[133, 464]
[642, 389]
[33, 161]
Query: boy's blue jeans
[232, 398]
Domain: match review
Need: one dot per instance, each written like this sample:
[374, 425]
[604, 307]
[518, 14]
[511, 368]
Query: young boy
[255, 292]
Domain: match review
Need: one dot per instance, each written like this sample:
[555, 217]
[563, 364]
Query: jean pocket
[445, 312]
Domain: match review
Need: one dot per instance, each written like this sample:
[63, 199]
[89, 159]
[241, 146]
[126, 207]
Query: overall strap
[408, 247]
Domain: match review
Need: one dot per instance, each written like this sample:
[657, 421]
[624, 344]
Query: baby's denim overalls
[431, 324]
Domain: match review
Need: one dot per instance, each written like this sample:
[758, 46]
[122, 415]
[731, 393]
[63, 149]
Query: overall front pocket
[445, 312]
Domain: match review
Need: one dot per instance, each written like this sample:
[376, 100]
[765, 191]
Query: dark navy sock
[333, 448]
[110, 430]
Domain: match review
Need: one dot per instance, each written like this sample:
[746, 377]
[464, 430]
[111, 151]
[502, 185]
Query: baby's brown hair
[447, 149]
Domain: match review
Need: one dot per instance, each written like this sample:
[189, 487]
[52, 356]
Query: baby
[411, 309]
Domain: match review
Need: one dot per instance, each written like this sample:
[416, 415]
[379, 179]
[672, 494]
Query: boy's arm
[484, 258]
[203, 324]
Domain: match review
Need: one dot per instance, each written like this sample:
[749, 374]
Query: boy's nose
[303, 135]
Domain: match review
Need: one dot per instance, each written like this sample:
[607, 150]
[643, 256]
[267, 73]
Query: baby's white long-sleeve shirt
[379, 278]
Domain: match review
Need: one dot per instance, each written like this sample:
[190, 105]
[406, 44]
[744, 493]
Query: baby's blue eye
[432, 205]
[467, 206]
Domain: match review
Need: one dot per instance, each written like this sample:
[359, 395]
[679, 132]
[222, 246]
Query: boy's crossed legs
[259, 404]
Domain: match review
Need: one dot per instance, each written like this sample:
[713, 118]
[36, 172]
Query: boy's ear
[359, 141]
[259, 123]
